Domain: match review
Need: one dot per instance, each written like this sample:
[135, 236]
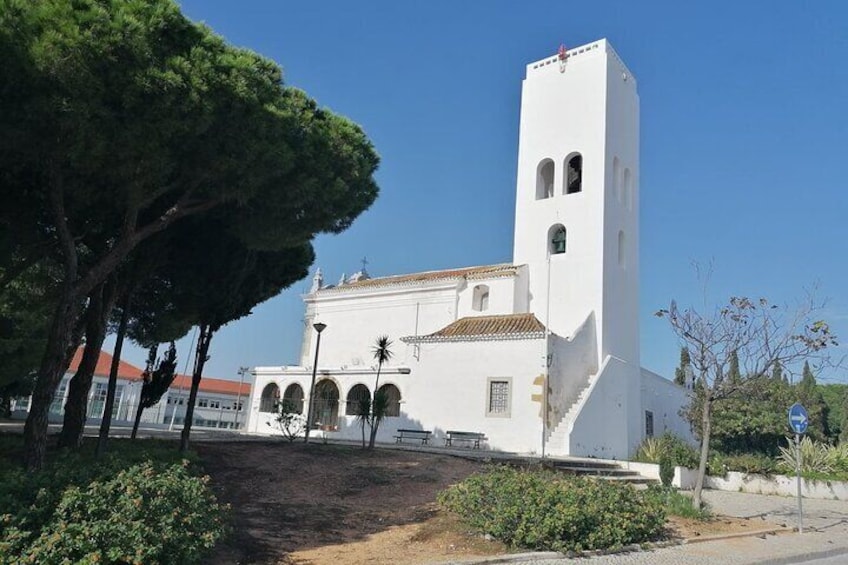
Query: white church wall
[448, 387]
[563, 113]
[356, 318]
[501, 297]
[619, 331]
[664, 400]
[602, 426]
[573, 361]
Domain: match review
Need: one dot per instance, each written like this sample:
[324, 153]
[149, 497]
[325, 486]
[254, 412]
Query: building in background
[220, 403]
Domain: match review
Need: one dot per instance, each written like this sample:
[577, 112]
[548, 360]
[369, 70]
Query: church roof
[472, 328]
[480, 272]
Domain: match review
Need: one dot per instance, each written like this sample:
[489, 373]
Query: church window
[498, 398]
[545, 180]
[358, 401]
[621, 254]
[293, 398]
[480, 298]
[269, 399]
[649, 423]
[392, 399]
[557, 239]
[573, 173]
[628, 189]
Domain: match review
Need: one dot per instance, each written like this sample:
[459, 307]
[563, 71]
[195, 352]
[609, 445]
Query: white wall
[603, 427]
[447, 390]
[665, 399]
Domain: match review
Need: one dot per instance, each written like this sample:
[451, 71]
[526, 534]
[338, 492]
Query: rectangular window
[202, 403]
[214, 404]
[649, 423]
[498, 397]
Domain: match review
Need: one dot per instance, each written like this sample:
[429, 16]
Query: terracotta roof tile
[133, 373]
[104, 365]
[509, 326]
[483, 271]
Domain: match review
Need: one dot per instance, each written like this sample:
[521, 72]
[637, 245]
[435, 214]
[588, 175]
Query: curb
[650, 546]
[813, 555]
[753, 533]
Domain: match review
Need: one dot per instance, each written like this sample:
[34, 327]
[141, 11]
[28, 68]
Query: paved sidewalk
[827, 536]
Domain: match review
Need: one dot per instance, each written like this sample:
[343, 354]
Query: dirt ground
[330, 504]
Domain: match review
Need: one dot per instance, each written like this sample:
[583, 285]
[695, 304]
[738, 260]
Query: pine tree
[733, 374]
[808, 394]
[680, 372]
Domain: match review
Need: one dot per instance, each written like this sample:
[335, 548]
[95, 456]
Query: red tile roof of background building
[133, 373]
[104, 365]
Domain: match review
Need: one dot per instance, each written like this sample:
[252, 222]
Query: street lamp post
[319, 327]
[242, 371]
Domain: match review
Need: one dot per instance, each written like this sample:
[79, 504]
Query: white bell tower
[577, 201]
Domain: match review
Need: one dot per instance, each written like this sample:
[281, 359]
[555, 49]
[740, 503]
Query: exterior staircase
[606, 470]
[558, 435]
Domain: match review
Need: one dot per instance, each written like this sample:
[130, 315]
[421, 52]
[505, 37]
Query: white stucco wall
[573, 362]
[665, 400]
[447, 390]
[603, 427]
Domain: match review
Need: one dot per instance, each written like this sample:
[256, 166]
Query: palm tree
[363, 414]
[382, 353]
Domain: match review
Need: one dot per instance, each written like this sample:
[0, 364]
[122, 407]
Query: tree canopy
[122, 118]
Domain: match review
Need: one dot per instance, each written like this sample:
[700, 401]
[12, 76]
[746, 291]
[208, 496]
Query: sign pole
[798, 481]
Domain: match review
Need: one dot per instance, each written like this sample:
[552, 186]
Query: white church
[474, 346]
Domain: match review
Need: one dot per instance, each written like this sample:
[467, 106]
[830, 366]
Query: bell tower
[577, 195]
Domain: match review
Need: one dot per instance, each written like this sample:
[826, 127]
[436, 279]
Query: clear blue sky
[744, 157]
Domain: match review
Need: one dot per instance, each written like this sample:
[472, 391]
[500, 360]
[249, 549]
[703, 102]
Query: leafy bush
[816, 457]
[652, 450]
[542, 510]
[756, 463]
[666, 471]
[140, 504]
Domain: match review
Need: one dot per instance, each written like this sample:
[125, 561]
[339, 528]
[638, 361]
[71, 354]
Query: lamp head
[319, 327]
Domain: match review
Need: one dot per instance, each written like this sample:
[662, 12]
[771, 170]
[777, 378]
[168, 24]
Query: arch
[270, 398]
[293, 398]
[325, 411]
[355, 396]
[616, 178]
[480, 298]
[392, 399]
[622, 257]
[557, 239]
[628, 188]
[545, 179]
[573, 177]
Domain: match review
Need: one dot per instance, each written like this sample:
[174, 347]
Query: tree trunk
[200, 358]
[61, 343]
[106, 422]
[374, 422]
[706, 424]
[138, 412]
[6, 407]
[77, 403]
[99, 306]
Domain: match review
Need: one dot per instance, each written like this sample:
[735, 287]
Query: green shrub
[666, 471]
[653, 449]
[755, 463]
[541, 510]
[149, 489]
[816, 457]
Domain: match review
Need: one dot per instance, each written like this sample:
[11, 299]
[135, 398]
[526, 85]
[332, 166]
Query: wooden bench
[422, 435]
[473, 438]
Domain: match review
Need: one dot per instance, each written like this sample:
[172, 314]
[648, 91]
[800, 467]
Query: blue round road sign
[798, 418]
